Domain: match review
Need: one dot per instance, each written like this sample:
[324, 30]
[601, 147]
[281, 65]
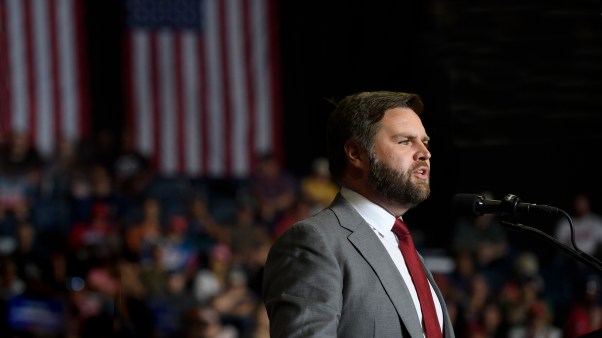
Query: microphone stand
[510, 207]
[572, 252]
[576, 254]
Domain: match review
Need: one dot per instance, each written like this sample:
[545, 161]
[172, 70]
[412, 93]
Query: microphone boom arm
[575, 254]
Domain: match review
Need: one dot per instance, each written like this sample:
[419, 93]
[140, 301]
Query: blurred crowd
[95, 243]
[522, 284]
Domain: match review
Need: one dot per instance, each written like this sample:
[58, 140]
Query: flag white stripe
[216, 130]
[18, 67]
[43, 67]
[142, 91]
[167, 85]
[236, 63]
[68, 72]
[262, 77]
[190, 71]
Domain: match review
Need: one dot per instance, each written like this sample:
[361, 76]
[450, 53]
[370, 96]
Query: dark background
[512, 90]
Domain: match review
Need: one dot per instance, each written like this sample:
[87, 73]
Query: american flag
[42, 78]
[202, 83]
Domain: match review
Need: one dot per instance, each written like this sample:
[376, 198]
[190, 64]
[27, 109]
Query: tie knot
[400, 229]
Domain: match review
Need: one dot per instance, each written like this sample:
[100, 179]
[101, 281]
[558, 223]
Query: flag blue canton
[156, 14]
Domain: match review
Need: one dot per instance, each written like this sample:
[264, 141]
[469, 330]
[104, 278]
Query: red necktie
[406, 245]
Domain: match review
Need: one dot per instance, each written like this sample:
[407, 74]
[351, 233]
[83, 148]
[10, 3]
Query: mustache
[419, 165]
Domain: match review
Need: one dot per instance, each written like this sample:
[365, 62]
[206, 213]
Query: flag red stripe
[203, 107]
[56, 77]
[274, 63]
[156, 98]
[81, 70]
[30, 78]
[179, 91]
[128, 81]
[248, 49]
[227, 98]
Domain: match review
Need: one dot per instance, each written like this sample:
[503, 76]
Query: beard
[396, 185]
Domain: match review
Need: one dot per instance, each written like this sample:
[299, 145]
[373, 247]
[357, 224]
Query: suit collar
[374, 214]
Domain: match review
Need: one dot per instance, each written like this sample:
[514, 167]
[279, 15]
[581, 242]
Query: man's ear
[356, 155]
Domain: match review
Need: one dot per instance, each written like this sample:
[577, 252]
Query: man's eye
[403, 142]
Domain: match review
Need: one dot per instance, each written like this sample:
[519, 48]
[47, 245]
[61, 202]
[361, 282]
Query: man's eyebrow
[423, 139]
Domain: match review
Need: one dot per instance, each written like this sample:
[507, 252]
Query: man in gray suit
[340, 273]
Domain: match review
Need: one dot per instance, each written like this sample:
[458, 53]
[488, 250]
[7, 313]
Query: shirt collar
[372, 213]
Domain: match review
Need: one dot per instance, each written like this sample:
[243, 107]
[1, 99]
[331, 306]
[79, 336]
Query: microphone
[477, 205]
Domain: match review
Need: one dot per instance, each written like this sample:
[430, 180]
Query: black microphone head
[465, 204]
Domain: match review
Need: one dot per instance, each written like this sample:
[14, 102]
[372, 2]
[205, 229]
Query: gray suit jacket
[330, 276]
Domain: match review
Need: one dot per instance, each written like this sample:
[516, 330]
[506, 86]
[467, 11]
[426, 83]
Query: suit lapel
[373, 251]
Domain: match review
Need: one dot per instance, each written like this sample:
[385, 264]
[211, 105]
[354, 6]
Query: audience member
[318, 187]
[489, 322]
[94, 187]
[273, 188]
[60, 169]
[236, 302]
[585, 311]
[205, 322]
[245, 235]
[300, 209]
[587, 227]
[587, 231]
[9, 222]
[479, 295]
[261, 324]
[20, 173]
[486, 240]
[144, 235]
[538, 323]
[211, 279]
[203, 227]
[256, 266]
[32, 260]
[523, 287]
[131, 168]
[101, 148]
[170, 306]
[97, 237]
[51, 212]
[21, 160]
[178, 252]
[133, 316]
[10, 282]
